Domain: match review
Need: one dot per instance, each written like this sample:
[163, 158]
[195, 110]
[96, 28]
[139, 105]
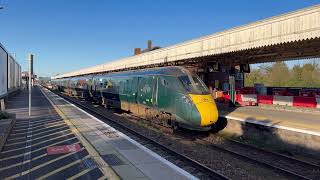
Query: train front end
[205, 111]
[199, 108]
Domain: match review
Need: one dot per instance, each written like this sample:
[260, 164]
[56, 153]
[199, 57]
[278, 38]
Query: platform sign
[63, 149]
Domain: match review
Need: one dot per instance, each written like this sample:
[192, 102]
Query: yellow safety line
[62, 168]
[41, 165]
[102, 178]
[79, 174]
[106, 170]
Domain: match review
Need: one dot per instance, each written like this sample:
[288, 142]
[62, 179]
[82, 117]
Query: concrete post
[232, 90]
[2, 105]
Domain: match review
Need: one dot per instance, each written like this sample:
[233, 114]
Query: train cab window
[165, 82]
[193, 84]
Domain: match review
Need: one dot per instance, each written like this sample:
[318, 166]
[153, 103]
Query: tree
[254, 77]
[278, 75]
[296, 77]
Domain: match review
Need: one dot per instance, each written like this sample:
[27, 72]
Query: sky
[66, 35]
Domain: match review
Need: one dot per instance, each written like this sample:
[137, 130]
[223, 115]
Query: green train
[172, 96]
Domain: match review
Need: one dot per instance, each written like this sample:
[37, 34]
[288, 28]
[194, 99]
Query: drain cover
[109, 132]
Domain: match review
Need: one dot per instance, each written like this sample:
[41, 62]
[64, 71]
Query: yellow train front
[194, 106]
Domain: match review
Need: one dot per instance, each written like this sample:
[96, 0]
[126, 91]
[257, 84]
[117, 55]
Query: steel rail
[285, 171]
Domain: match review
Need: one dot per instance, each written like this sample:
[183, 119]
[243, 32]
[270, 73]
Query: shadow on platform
[25, 153]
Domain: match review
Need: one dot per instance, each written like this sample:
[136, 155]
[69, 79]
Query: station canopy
[285, 37]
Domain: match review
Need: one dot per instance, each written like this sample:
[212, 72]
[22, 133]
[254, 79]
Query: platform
[304, 122]
[280, 130]
[25, 156]
[104, 152]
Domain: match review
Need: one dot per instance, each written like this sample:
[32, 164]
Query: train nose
[206, 108]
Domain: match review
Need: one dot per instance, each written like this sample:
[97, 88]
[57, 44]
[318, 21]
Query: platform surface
[304, 121]
[104, 152]
[128, 158]
[24, 155]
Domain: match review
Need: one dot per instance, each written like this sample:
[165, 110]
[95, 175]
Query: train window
[164, 82]
[193, 84]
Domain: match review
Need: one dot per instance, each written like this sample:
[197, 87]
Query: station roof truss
[284, 37]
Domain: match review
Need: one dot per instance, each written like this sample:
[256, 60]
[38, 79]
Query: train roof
[169, 71]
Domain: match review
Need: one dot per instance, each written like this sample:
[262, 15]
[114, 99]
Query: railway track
[276, 161]
[197, 169]
[286, 165]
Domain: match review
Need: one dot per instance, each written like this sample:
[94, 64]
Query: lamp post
[30, 79]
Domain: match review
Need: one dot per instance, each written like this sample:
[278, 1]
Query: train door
[123, 93]
[155, 91]
[132, 94]
[145, 99]
[98, 84]
[90, 87]
[163, 95]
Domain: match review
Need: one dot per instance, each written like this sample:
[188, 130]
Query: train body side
[151, 94]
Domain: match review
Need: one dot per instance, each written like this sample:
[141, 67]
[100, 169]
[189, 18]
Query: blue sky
[67, 35]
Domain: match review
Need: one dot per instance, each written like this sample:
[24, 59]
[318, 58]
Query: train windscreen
[193, 84]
